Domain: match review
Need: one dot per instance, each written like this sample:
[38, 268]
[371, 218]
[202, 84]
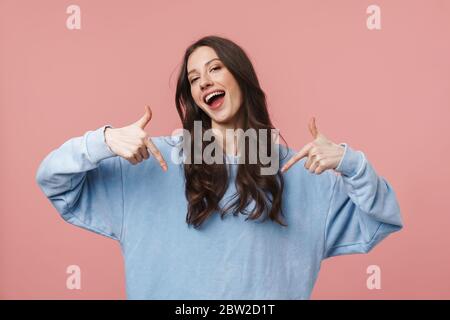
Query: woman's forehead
[201, 56]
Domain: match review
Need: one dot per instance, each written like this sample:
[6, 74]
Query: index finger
[156, 153]
[301, 154]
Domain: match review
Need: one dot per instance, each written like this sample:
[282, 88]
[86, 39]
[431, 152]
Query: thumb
[142, 122]
[313, 128]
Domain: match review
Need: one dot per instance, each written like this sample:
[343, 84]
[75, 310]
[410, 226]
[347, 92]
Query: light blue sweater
[144, 209]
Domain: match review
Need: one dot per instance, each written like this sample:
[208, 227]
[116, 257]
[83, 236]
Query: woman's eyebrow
[205, 64]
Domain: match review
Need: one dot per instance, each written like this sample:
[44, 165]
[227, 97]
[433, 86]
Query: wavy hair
[206, 184]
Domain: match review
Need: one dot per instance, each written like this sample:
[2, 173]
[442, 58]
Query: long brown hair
[206, 184]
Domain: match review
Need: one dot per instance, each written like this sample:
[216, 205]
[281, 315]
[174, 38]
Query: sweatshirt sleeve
[363, 207]
[83, 180]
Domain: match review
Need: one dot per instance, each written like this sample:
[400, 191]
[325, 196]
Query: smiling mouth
[216, 101]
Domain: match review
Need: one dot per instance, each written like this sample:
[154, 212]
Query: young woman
[221, 230]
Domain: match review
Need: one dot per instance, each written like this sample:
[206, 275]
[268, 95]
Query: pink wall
[386, 92]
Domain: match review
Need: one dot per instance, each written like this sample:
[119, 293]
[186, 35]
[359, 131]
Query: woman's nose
[205, 81]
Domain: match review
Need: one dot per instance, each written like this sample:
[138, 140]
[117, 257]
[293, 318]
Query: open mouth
[215, 99]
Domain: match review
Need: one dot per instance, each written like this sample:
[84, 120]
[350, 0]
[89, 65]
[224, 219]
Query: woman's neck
[227, 140]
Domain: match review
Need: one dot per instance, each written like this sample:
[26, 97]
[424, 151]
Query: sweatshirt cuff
[97, 149]
[350, 162]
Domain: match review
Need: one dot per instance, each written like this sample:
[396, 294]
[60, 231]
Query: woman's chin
[220, 117]
[224, 118]
[220, 121]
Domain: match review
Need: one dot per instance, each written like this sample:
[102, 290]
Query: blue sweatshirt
[144, 208]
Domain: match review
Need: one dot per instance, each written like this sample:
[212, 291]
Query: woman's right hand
[132, 142]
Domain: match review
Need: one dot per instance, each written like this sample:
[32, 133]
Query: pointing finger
[156, 153]
[301, 154]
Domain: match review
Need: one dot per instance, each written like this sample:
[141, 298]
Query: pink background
[385, 92]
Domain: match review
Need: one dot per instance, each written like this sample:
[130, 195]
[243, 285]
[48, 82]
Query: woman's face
[207, 74]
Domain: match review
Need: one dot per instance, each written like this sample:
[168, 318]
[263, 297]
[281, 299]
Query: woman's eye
[194, 79]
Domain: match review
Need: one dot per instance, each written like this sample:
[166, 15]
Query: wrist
[351, 161]
[96, 147]
[106, 136]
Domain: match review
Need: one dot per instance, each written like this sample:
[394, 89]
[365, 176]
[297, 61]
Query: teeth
[209, 96]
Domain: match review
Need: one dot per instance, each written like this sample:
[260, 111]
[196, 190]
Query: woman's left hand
[322, 153]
